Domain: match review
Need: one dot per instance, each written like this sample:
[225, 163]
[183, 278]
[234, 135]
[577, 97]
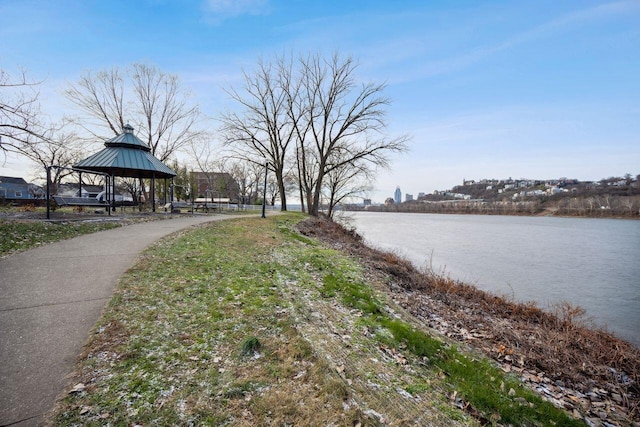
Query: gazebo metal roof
[126, 156]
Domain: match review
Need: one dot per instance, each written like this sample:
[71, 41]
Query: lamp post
[48, 190]
[264, 190]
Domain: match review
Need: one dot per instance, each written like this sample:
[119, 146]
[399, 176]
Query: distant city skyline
[537, 89]
[488, 180]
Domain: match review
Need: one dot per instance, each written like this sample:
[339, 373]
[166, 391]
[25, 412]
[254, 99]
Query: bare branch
[347, 122]
[20, 115]
[153, 101]
[265, 128]
[316, 107]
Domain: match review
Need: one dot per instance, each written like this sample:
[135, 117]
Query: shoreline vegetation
[620, 207]
[293, 320]
[558, 354]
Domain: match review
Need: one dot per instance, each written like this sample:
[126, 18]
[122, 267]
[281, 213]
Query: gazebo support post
[79, 184]
[165, 191]
[171, 195]
[113, 194]
[107, 191]
[153, 193]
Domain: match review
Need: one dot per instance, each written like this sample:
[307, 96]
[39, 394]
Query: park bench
[176, 206]
[205, 206]
[78, 201]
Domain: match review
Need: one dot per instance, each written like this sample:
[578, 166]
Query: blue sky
[486, 89]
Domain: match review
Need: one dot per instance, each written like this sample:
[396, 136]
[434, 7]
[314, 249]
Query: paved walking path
[50, 298]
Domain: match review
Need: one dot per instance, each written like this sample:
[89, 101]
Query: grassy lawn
[245, 322]
[18, 236]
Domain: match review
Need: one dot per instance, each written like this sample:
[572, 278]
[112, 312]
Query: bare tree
[20, 123]
[272, 191]
[209, 160]
[247, 175]
[307, 163]
[183, 188]
[151, 100]
[100, 98]
[202, 152]
[170, 122]
[342, 183]
[345, 120]
[317, 106]
[24, 131]
[263, 130]
[132, 186]
[57, 147]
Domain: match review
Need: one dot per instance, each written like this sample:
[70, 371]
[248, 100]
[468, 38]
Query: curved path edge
[50, 298]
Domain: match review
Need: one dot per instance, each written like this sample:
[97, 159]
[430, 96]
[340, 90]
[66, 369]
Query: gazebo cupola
[127, 139]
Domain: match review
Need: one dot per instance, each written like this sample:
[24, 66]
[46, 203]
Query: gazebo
[126, 156]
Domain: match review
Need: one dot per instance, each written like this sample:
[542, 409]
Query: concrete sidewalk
[50, 298]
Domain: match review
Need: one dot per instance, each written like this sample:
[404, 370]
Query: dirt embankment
[583, 370]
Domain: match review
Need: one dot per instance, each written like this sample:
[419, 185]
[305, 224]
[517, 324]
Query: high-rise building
[397, 196]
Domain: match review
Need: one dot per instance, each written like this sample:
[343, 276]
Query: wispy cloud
[567, 22]
[217, 11]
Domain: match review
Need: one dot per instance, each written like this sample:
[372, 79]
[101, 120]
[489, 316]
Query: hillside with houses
[610, 197]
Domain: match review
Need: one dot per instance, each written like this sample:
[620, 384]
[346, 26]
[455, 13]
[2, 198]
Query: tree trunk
[283, 195]
[315, 206]
[299, 179]
[281, 189]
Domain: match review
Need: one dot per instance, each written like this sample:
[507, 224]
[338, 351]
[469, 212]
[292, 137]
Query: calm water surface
[592, 263]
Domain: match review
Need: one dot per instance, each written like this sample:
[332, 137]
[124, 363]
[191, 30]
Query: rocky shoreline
[591, 374]
[597, 403]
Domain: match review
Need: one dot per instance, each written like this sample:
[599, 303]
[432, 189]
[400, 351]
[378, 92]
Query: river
[591, 263]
